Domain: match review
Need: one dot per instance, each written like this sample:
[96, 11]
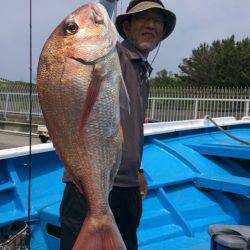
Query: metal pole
[30, 127]
[153, 108]
[196, 109]
[6, 105]
[247, 108]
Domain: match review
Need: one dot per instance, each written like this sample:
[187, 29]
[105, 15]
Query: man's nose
[150, 23]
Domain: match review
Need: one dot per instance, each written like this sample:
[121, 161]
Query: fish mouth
[80, 60]
[99, 59]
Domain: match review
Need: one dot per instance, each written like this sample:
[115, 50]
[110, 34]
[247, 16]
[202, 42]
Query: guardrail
[176, 109]
[165, 104]
[185, 103]
[18, 103]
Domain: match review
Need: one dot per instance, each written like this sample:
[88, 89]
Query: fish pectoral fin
[99, 233]
[92, 94]
[124, 96]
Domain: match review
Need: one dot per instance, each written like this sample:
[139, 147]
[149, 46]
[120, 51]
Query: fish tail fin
[99, 234]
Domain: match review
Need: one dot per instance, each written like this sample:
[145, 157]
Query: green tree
[164, 78]
[224, 63]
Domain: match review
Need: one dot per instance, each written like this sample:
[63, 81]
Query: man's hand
[143, 185]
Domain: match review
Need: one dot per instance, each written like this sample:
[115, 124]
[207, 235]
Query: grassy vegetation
[15, 83]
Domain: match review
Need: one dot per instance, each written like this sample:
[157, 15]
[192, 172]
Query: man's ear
[164, 31]
[126, 28]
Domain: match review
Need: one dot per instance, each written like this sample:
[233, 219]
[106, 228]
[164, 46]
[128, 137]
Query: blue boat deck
[196, 178]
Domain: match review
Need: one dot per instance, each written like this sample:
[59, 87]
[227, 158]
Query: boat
[197, 171]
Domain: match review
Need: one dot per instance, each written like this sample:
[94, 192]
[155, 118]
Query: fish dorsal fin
[124, 96]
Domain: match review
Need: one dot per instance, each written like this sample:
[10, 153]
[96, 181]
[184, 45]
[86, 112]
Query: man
[143, 27]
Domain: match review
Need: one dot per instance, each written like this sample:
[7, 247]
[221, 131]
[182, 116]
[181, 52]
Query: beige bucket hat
[136, 6]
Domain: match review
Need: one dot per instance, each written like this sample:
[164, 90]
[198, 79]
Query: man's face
[145, 29]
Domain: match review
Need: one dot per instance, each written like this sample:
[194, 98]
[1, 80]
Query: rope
[156, 53]
[225, 132]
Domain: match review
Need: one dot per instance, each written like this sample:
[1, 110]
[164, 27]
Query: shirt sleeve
[109, 6]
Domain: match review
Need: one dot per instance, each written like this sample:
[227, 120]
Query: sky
[198, 21]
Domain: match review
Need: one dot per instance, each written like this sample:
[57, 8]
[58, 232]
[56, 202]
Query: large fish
[81, 91]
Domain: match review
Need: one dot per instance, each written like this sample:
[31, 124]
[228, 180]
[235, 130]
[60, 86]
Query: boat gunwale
[173, 129]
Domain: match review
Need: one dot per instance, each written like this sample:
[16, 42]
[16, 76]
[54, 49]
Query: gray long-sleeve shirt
[135, 70]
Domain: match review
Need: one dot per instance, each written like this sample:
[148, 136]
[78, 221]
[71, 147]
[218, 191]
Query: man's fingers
[143, 195]
[143, 186]
[144, 192]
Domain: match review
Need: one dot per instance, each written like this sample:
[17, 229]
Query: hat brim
[168, 16]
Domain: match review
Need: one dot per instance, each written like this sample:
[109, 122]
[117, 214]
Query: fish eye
[70, 28]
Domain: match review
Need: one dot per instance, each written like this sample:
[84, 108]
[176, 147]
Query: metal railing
[165, 104]
[18, 103]
[173, 104]
[174, 109]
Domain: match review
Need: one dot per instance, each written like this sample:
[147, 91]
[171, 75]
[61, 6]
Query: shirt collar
[134, 54]
[131, 51]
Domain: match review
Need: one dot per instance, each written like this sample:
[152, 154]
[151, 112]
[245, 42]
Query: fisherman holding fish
[82, 80]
